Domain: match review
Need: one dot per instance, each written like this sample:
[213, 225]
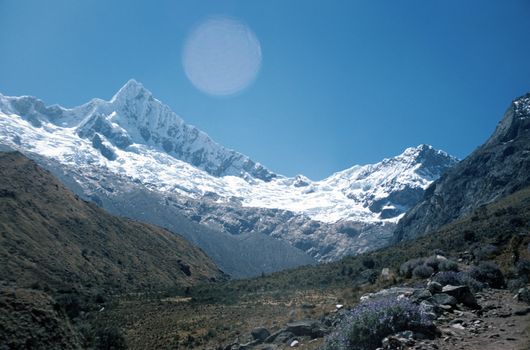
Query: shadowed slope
[48, 235]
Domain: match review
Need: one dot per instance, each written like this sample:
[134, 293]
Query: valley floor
[503, 322]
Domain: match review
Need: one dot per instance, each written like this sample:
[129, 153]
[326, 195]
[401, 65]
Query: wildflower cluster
[369, 322]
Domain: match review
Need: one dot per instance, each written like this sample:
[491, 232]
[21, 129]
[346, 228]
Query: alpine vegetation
[369, 322]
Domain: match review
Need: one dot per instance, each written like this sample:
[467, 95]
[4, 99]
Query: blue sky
[341, 82]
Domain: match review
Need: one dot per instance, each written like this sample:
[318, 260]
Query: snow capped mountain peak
[131, 90]
[136, 136]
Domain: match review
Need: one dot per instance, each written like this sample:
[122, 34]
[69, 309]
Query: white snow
[345, 195]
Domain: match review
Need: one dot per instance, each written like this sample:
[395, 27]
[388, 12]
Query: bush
[369, 263]
[487, 251]
[488, 272]
[515, 284]
[69, 303]
[422, 271]
[523, 267]
[458, 279]
[110, 338]
[433, 262]
[368, 323]
[406, 268]
[447, 265]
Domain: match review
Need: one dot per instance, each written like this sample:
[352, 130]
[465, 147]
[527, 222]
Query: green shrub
[110, 339]
[447, 265]
[406, 268]
[488, 272]
[422, 271]
[69, 303]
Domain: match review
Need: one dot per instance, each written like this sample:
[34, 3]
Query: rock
[249, 345]
[393, 292]
[394, 342]
[294, 344]
[420, 295]
[280, 337]
[522, 312]
[260, 333]
[266, 347]
[443, 299]
[462, 294]
[434, 287]
[523, 295]
[311, 328]
[385, 273]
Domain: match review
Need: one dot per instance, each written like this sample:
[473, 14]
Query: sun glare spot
[222, 56]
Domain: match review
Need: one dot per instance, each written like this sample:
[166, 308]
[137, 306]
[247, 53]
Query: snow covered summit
[136, 135]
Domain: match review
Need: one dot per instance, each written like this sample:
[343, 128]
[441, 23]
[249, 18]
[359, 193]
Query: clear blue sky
[342, 82]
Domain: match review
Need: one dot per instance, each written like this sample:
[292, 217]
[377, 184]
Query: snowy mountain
[136, 140]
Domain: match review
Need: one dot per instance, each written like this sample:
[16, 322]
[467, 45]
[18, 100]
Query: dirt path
[502, 324]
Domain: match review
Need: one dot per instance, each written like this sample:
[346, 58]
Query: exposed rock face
[496, 169]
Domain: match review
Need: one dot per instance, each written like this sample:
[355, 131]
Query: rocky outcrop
[496, 169]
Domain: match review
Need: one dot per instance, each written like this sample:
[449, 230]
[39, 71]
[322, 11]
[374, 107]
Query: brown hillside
[50, 237]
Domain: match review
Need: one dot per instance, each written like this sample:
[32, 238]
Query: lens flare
[222, 56]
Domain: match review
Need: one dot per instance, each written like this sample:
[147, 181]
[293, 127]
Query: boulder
[260, 333]
[420, 295]
[462, 294]
[393, 292]
[443, 299]
[311, 328]
[523, 295]
[434, 287]
[280, 337]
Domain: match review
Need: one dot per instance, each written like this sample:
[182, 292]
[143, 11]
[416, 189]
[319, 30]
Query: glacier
[134, 136]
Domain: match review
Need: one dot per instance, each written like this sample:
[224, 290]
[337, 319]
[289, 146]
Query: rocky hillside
[498, 168]
[50, 237]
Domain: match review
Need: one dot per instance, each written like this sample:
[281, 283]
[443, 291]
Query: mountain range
[135, 157]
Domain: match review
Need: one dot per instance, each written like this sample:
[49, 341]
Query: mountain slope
[135, 135]
[50, 236]
[133, 146]
[134, 116]
[499, 167]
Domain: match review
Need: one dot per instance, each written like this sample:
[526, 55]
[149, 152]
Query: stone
[260, 333]
[311, 328]
[434, 287]
[522, 312]
[280, 337]
[443, 299]
[393, 292]
[462, 294]
[523, 295]
[420, 295]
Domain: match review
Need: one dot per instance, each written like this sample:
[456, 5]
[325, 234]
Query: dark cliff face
[496, 169]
